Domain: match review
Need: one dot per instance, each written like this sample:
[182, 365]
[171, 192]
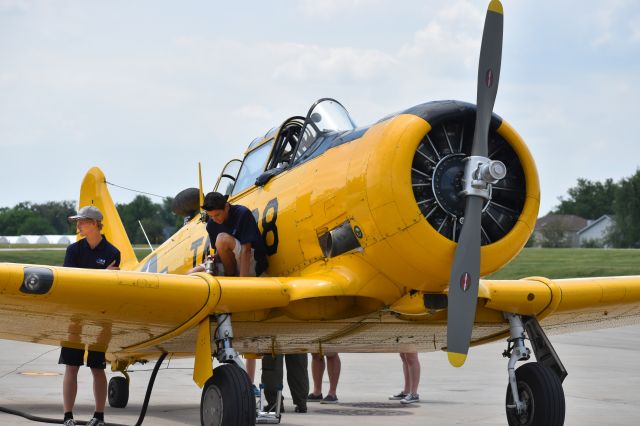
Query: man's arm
[116, 262]
[245, 260]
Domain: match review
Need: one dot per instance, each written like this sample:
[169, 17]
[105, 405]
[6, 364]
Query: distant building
[558, 230]
[596, 231]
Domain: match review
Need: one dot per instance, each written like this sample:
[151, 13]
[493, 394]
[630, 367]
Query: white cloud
[14, 6]
[315, 63]
[324, 9]
[253, 112]
[160, 95]
[449, 40]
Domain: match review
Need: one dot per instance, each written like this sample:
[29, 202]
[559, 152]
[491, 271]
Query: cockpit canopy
[287, 145]
[325, 116]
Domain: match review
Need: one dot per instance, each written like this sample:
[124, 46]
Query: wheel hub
[526, 416]
[212, 406]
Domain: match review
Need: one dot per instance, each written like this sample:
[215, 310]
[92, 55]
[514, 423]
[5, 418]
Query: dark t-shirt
[81, 255]
[242, 225]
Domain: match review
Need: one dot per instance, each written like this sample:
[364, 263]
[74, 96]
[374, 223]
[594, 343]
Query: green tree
[588, 199]
[35, 225]
[626, 206]
[171, 221]
[157, 219]
[37, 219]
[57, 213]
[11, 219]
[554, 234]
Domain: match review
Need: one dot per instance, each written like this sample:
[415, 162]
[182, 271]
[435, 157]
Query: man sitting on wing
[234, 233]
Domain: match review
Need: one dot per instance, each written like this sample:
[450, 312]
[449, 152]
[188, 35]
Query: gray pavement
[603, 387]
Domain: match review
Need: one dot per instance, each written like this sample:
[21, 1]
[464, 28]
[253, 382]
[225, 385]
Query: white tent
[42, 239]
[4, 240]
[63, 239]
[33, 239]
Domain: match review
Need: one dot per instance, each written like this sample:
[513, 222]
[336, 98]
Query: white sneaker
[69, 422]
[410, 399]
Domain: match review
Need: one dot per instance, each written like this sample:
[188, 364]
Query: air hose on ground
[143, 411]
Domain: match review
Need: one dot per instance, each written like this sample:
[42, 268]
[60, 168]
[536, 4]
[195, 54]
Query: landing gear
[541, 394]
[118, 392]
[227, 398]
[534, 394]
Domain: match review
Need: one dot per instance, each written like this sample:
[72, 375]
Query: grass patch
[571, 263]
[551, 263]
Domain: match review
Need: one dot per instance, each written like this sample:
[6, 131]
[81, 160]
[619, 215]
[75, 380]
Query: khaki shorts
[236, 252]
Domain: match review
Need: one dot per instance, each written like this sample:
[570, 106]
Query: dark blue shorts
[70, 356]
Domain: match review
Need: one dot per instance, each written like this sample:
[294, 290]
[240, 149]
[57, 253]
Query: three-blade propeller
[480, 173]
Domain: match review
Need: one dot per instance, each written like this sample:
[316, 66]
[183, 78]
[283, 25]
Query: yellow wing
[118, 310]
[565, 305]
[129, 314]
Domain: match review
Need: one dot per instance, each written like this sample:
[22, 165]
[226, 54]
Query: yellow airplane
[377, 238]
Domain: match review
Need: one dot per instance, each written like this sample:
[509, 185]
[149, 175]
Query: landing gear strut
[534, 394]
[227, 397]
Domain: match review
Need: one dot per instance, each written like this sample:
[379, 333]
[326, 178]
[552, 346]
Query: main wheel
[118, 392]
[227, 398]
[541, 391]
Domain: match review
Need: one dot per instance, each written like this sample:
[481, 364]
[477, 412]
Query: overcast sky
[146, 89]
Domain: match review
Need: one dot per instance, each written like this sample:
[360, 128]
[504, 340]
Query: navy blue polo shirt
[242, 225]
[81, 255]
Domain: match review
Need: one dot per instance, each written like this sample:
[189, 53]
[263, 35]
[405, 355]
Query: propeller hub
[480, 173]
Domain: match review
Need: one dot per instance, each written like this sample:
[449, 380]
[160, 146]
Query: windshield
[326, 115]
[329, 116]
[252, 167]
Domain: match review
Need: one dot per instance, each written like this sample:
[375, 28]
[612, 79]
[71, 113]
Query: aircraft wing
[135, 315]
[564, 305]
[115, 311]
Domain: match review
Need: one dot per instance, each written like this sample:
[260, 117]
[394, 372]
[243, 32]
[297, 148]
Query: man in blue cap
[92, 252]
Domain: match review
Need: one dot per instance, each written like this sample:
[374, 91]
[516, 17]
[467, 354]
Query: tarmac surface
[603, 387]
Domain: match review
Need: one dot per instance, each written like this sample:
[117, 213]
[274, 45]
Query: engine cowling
[413, 183]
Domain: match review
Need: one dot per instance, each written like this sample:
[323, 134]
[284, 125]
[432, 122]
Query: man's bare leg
[225, 244]
[405, 372]
[413, 367]
[70, 387]
[99, 388]
[317, 371]
[250, 364]
[333, 370]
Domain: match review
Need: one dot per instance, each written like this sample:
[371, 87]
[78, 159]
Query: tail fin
[94, 192]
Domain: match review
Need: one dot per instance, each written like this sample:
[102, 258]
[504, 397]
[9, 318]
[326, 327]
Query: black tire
[227, 398]
[542, 391]
[118, 392]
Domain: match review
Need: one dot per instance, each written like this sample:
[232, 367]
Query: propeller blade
[488, 75]
[465, 272]
[463, 284]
